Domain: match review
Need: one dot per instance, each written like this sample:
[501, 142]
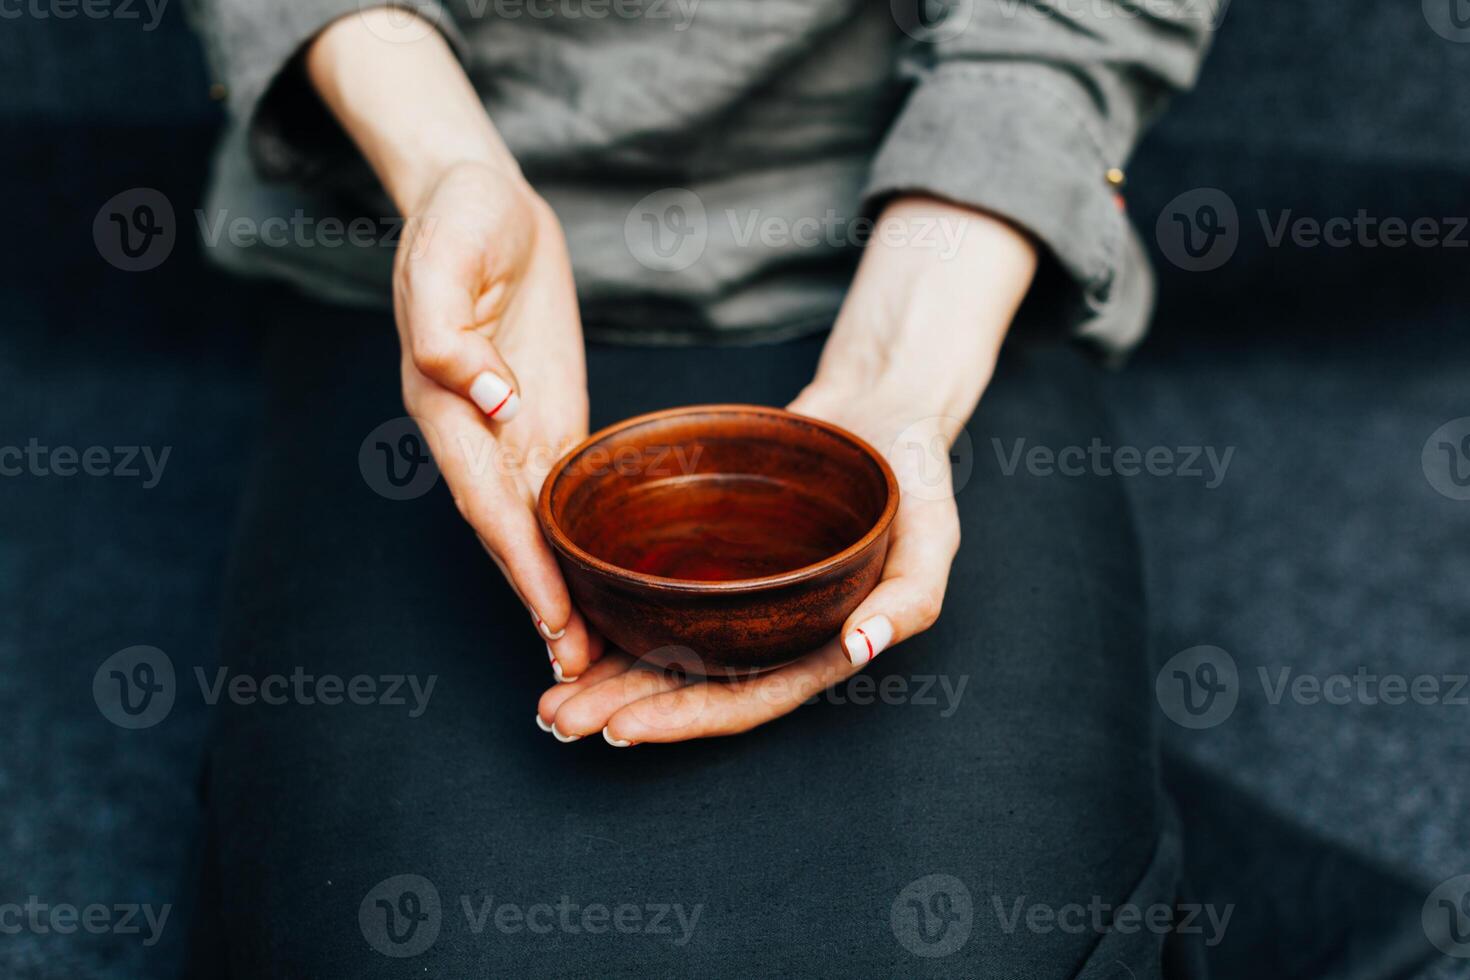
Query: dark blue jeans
[980, 802]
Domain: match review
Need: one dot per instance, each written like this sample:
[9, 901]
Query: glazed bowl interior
[718, 494]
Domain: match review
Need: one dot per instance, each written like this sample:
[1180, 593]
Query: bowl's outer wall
[729, 628]
[736, 632]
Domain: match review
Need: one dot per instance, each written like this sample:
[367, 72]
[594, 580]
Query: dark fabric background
[1325, 548]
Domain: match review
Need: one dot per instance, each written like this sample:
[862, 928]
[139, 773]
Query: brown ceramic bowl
[742, 534]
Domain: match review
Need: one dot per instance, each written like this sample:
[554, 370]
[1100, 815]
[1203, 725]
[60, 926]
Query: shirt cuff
[1023, 142]
[291, 135]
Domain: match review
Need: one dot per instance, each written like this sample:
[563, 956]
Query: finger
[497, 509]
[594, 641]
[910, 595]
[713, 708]
[571, 651]
[440, 307]
[588, 710]
[611, 665]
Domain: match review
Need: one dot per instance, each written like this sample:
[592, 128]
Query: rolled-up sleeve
[255, 49]
[1029, 110]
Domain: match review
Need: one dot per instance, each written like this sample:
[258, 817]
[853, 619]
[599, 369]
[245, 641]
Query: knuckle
[433, 353]
[464, 505]
[477, 514]
[928, 607]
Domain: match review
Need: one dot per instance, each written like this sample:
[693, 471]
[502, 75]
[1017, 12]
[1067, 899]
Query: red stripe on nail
[869, 642]
[491, 414]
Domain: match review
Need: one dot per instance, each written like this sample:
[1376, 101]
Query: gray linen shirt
[716, 163]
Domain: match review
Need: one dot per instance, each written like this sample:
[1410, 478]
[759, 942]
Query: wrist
[401, 95]
[930, 306]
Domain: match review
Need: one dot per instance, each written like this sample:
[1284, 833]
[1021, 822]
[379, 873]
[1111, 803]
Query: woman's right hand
[493, 366]
[493, 370]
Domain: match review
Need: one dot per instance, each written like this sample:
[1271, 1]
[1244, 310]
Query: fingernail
[546, 630]
[556, 668]
[617, 743]
[541, 724]
[563, 738]
[868, 640]
[495, 398]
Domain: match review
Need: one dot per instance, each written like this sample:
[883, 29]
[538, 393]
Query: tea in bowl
[740, 534]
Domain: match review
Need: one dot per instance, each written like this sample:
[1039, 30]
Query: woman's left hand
[911, 352]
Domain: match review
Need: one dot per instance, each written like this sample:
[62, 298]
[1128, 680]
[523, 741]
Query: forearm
[403, 98]
[929, 308]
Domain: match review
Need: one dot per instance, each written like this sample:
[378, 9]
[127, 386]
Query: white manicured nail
[546, 630]
[556, 668]
[495, 398]
[541, 724]
[868, 640]
[618, 743]
[563, 738]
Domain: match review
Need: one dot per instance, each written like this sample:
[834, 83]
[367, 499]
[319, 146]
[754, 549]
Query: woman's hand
[493, 371]
[913, 349]
[483, 295]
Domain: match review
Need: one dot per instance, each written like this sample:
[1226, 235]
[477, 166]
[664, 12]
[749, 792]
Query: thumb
[909, 596]
[438, 316]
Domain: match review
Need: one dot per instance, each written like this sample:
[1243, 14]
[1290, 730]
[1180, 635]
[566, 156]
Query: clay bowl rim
[562, 542]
